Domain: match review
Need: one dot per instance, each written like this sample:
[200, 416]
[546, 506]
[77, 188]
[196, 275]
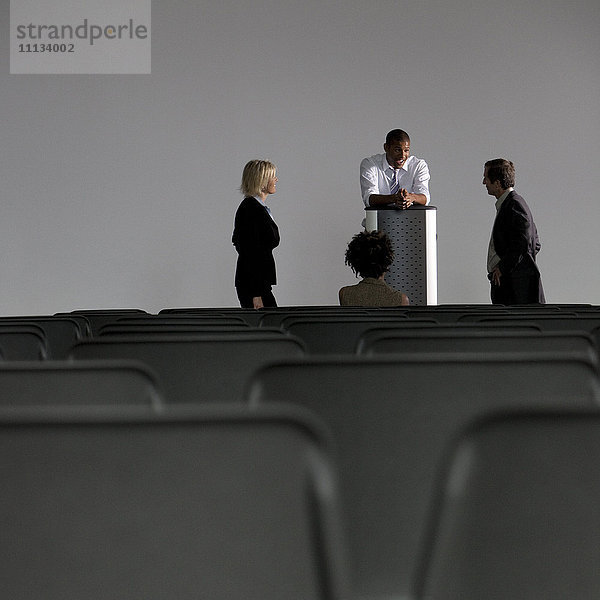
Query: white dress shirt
[493, 259]
[376, 174]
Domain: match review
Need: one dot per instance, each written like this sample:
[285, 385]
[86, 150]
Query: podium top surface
[395, 208]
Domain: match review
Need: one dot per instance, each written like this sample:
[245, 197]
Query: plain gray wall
[120, 191]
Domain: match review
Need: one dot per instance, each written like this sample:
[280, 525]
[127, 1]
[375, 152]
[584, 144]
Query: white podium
[413, 233]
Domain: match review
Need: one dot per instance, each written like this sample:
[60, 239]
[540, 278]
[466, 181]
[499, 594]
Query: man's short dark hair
[370, 254]
[397, 135]
[502, 170]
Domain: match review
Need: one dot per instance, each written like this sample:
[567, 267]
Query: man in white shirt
[396, 177]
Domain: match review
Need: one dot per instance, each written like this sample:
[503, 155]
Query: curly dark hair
[370, 254]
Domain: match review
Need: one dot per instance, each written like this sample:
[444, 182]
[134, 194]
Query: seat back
[274, 317]
[517, 514]
[391, 419]
[250, 315]
[473, 340]
[194, 369]
[414, 326]
[183, 329]
[87, 383]
[97, 317]
[60, 332]
[547, 322]
[219, 504]
[179, 319]
[340, 334]
[23, 342]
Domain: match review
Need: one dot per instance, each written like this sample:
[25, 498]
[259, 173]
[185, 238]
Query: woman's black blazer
[255, 234]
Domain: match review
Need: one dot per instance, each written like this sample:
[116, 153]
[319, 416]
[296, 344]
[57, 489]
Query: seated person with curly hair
[370, 255]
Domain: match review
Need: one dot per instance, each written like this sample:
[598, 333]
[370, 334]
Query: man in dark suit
[514, 244]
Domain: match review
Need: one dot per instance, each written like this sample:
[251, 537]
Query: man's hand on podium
[402, 199]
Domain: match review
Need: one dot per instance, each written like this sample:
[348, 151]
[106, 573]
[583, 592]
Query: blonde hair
[256, 176]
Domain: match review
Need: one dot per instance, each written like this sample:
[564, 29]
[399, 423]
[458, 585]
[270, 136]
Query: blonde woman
[255, 234]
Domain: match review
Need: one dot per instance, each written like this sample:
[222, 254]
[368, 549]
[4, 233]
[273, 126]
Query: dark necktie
[394, 185]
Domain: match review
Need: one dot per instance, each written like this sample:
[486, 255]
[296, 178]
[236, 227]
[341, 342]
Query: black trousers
[245, 298]
[518, 290]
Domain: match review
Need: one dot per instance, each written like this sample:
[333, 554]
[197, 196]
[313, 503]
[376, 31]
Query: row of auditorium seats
[304, 452]
[321, 329]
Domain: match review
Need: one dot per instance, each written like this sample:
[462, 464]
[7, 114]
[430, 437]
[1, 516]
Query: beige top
[370, 292]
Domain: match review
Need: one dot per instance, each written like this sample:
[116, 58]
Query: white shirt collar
[503, 198]
[393, 169]
[263, 204]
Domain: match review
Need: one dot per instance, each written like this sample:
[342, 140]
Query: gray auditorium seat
[195, 369]
[595, 333]
[23, 342]
[273, 317]
[415, 326]
[219, 504]
[187, 329]
[339, 334]
[250, 315]
[60, 332]
[473, 340]
[174, 319]
[517, 515]
[391, 419]
[454, 313]
[548, 322]
[97, 317]
[444, 314]
[85, 383]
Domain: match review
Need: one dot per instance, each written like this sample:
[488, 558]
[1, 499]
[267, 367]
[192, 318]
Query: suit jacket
[255, 234]
[516, 243]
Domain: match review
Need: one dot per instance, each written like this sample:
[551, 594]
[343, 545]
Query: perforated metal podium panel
[414, 237]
